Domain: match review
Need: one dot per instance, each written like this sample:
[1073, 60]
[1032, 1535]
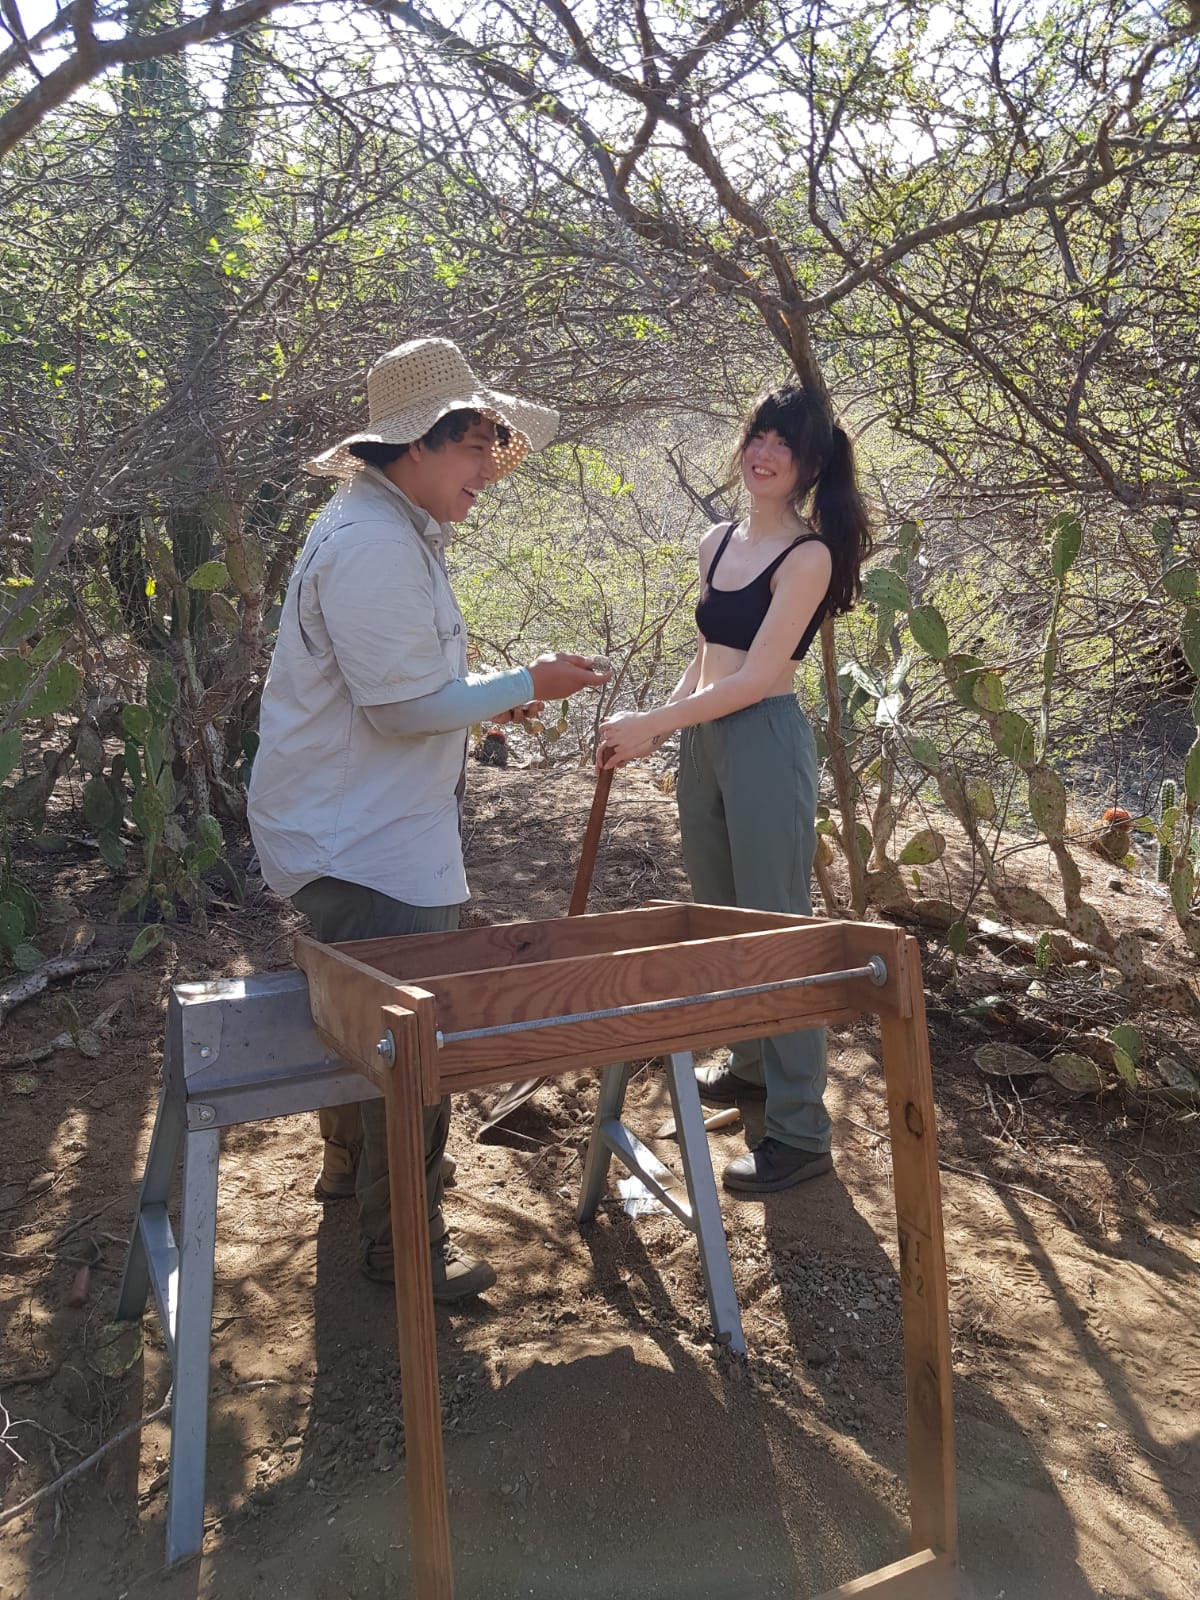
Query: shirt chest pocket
[451, 629]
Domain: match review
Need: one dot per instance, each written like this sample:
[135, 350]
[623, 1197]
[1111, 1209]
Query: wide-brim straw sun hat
[414, 386]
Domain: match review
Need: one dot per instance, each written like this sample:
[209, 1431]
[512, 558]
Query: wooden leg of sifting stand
[923, 1289]
[425, 1463]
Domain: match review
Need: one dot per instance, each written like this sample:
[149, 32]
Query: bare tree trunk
[843, 778]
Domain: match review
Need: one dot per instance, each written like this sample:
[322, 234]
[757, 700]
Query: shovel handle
[591, 843]
[514, 1098]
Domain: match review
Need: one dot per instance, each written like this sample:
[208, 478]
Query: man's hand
[521, 714]
[556, 676]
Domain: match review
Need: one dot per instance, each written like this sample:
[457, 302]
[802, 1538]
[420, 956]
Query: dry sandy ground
[598, 1443]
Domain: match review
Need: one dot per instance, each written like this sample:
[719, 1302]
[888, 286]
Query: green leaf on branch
[1127, 1038]
[224, 613]
[963, 670]
[1049, 664]
[884, 620]
[1189, 638]
[148, 812]
[137, 722]
[27, 958]
[1067, 536]
[161, 692]
[956, 938]
[1023, 904]
[982, 800]
[1014, 737]
[10, 751]
[924, 751]
[15, 674]
[209, 575]
[48, 646]
[208, 834]
[89, 749]
[12, 925]
[869, 682]
[887, 710]
[883, 587]
[923, 848]
[928, 628]
[1075, 1073]
[112, 850]
[1000, 1060]
[98, 804]
[148, 939]
[898, 676]
[1191, 773]
[60, 690]
[1048, 801]
[988, 692]
[1183, 886]
[1180, 582]
[1163, 534]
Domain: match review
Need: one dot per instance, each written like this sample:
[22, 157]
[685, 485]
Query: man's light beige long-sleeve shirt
[369, 619]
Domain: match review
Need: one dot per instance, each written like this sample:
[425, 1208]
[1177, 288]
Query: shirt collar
[438, 534]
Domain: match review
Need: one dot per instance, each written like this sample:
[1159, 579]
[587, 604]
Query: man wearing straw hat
[357, 784]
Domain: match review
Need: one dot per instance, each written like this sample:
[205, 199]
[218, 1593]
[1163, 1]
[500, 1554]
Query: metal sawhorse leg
[702, 1212]
[241, 1050]
[245, 1050]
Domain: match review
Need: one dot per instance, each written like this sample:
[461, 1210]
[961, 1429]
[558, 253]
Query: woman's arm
[687, 684]
[801, 585]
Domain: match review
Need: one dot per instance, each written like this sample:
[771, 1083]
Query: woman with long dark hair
[747, 787]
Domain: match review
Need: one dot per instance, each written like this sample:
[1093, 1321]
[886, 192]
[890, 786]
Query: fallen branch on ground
[100, 1030]
[81, 1467]
[32, 983]
[126, 1432]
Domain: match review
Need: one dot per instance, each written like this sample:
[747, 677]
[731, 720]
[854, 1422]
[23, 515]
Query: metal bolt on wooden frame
[427, 1015]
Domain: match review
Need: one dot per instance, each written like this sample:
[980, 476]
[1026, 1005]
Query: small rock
[816, 1355]
[293, 1442]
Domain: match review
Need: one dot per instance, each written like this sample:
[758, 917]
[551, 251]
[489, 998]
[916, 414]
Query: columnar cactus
[1166, 808]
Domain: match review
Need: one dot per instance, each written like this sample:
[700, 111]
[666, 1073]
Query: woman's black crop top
[733, 616]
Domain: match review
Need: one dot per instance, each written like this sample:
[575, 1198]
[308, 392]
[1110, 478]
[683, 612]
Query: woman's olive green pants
[747, 793]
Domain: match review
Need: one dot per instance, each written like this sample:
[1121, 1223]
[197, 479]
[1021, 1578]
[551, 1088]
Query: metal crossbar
[875, 970]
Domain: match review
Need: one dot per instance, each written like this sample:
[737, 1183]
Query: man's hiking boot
[456, 1275]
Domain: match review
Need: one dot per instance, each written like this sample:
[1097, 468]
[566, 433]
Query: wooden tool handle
[591, 843]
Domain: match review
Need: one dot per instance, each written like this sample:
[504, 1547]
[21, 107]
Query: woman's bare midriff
[722, 661]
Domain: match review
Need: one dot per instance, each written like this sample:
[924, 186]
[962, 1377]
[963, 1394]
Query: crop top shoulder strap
[712, 565]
